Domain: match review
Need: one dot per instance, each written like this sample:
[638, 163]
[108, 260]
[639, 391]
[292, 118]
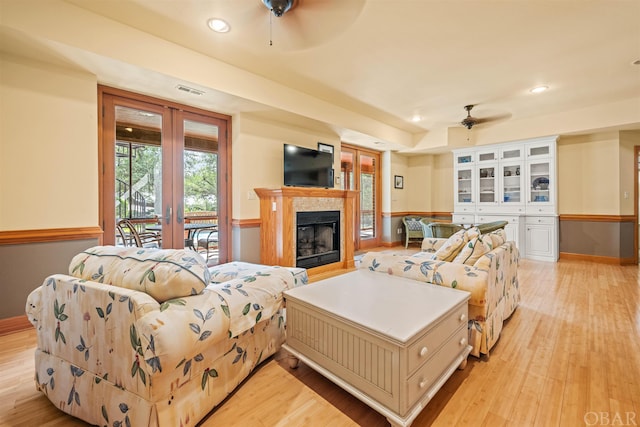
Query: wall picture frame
[325, 148]
[398, 181]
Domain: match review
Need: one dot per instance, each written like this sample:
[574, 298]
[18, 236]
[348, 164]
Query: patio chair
[206, 238]
[413, 229]
[130, 236]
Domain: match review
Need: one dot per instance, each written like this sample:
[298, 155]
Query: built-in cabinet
[515, 182]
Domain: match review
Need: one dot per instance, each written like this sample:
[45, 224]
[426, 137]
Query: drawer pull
[423, 383]
[463, 341]
[463, 317]
[423, 352]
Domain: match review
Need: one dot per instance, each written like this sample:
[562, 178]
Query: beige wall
[442, 183]
[48, 146]
[258, 158]
[628, 170]
[428, 183]
[588, 174]
[400, 197]
[419, 176]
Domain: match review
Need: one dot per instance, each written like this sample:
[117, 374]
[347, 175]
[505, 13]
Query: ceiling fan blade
[493, 119]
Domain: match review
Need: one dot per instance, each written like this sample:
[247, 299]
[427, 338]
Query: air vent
[190, 90]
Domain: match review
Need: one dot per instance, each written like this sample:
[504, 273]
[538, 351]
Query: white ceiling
[389, 60]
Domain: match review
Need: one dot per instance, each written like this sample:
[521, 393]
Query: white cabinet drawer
[423, 349]
[512, 219]
[431, 371]
[468, 208]
[533, 209]
[463, 219]
[546, 220]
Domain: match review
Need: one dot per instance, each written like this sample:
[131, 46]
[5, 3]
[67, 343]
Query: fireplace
[317, 238]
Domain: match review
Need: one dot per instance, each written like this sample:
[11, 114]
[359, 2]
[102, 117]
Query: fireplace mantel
[278, 209]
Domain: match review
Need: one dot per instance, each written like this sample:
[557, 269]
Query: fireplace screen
[317, 238]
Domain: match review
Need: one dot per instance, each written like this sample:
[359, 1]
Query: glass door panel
[138, 176]
[347, 163]
[367, 197]
[200, 199]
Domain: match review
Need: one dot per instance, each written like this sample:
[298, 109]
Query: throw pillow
[414, 225]
[163, 274]
[449, 250]
[498, 237]
[473, 250]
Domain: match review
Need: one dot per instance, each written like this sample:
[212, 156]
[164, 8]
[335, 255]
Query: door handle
[167, 217]
[180, 217]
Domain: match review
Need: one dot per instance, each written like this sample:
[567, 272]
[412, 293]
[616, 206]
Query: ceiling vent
[190, 90]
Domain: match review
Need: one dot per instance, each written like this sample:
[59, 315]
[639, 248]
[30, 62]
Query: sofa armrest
[88, 324]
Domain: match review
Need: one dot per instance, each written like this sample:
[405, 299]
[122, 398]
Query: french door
[360, 171]
[165, 171]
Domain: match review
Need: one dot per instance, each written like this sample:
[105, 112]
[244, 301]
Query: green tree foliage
[200, 181]
[139, 167]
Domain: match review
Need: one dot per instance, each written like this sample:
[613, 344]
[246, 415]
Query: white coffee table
[389, 341]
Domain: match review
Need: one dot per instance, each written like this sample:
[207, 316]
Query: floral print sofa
[152, 337]
[486, 265]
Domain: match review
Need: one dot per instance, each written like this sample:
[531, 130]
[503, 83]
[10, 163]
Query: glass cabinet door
[511, 175]
[487, 156]
[487, 179]
[462, 159]
[464, 186]
[511, 153]
[540, 149]
[539, 182]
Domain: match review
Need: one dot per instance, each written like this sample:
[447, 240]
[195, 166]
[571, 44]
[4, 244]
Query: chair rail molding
[13, 237]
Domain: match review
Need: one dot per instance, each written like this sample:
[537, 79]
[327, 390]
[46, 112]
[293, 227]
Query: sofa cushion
[449, 250]
[163, 274]
[473, 250]
[497, 238]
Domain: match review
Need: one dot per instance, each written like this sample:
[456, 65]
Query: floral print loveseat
[152, 337]
[486, 265]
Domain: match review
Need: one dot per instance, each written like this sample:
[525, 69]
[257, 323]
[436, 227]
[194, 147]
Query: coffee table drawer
[435, 367]
[426, 346]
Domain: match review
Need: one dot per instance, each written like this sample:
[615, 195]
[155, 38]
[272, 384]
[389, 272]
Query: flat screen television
[305, 167]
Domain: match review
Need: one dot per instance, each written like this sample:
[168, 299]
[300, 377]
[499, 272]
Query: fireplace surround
[278, 224]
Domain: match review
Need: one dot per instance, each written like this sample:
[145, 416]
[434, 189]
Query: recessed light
[416, 118]
[539, 89]
[218, 25]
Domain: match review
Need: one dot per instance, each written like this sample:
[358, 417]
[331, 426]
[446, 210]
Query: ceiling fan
[301, 24]
[279, 7]
[471, 121]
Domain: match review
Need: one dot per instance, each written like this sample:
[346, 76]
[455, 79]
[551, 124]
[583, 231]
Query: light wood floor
[570, 351]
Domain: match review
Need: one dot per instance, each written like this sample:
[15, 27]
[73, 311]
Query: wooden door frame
[376, 241]
[106, 151]
[636, 200]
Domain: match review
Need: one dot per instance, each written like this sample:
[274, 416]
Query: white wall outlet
[273, 206]
[626, 195]
[399, 230]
